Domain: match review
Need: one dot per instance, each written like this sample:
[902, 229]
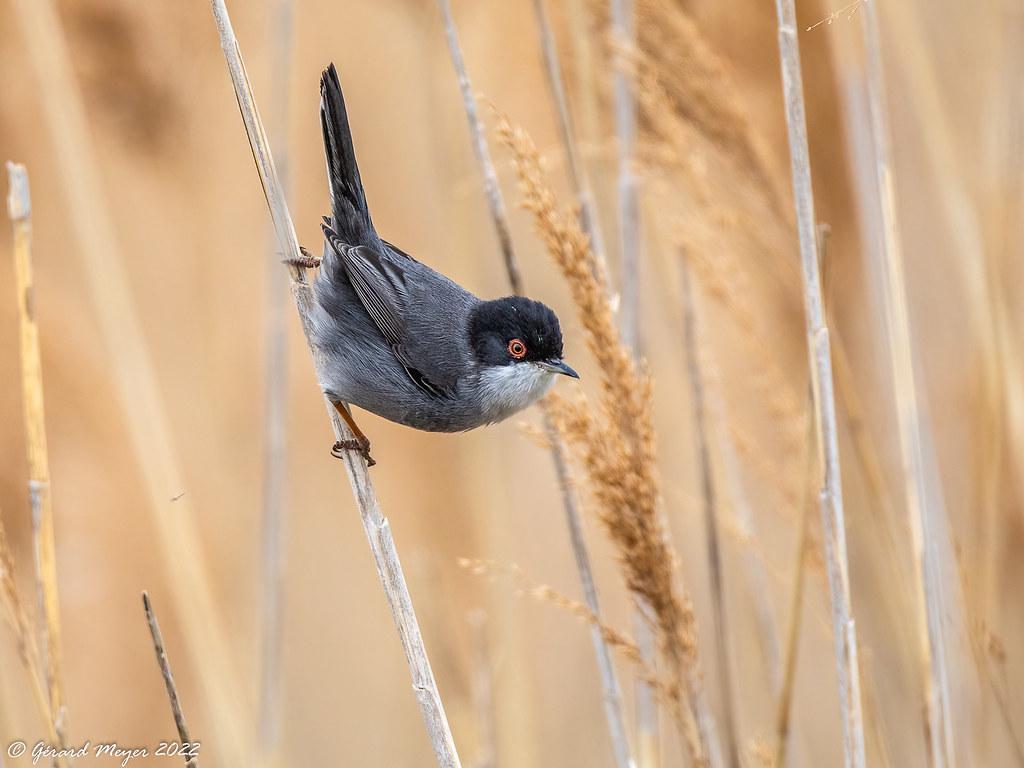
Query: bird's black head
[517, 330]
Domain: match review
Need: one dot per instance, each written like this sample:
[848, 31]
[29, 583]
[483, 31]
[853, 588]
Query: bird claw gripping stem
[361, 445]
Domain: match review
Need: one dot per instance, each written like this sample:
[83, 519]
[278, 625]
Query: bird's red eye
[517, 349]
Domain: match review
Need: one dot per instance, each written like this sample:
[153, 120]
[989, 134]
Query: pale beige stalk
[376, 526]
[19, 208]
[819, 359]
[938, 728]
[136, 385]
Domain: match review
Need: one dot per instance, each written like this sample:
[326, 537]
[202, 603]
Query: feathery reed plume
[17, 618]
[19, 208]
[819, 359]
[172, 689]
[938, 728]
[578, 176]
[612, 695]
[135, 385]
[614, 443]
[275, 418]
[376, 526]
[697, 81]
[710, 505]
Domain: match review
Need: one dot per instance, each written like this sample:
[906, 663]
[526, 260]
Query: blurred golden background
[517, 675]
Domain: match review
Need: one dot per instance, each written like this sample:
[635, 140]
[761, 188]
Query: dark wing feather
[380, 283]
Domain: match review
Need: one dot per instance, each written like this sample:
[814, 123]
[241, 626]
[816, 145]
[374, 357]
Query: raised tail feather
[348, 200]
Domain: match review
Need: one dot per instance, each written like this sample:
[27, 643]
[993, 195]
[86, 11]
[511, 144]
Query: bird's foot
[360, 444]
[307, 261]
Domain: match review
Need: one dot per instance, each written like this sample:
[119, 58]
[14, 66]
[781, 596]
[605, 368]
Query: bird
[397, 338]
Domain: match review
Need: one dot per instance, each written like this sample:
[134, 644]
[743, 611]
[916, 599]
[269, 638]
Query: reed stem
[831, 494]
[938, 728]
[376, 526]
[172, 689]
[611, 693]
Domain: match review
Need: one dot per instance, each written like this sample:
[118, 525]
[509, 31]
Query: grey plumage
[403, 341]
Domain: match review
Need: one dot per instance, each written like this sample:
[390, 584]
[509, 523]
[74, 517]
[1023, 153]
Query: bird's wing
[382, 283]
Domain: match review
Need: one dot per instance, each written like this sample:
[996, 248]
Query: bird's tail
[348, 199]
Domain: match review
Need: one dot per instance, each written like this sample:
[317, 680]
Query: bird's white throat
[505, 389]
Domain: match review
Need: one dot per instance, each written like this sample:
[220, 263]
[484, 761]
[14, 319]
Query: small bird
[400, 340]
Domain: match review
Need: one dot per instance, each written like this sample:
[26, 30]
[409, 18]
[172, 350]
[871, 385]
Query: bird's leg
[360, 443]
[307, 261]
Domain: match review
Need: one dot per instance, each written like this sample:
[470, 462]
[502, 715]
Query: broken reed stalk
[611, 693]
[19, 208]
[275, 416]
[135, 382]
[938, 728]
[376, 526]
[165, 671]
[831, 494]
[710, 504]
[578, 176]
[614, 442]
[783, 708]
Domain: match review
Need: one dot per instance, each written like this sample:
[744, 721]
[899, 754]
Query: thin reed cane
[938, 728]
[611, 693]
[831, 494]
[136, 385]
[578, 176]
[377, 527]
[19, 207]
[710, 503]
[275, 416]
[172, 689]
[17, 618]
[783, 707]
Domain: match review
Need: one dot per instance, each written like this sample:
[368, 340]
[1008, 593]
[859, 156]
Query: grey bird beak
[558, 366]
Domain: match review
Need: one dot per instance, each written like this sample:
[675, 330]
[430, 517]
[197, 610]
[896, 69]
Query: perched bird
[400, 340]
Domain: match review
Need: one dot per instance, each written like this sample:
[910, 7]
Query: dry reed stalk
[135, 386]
[831, 500]
[622, 28]
[492, 190]
[578, 176]
[938, 728]
[711, 513]
[19, 208]
[614, 443]
[17, 618]
[275, 417]
[611, 693]
[376, 526]
[623, 34]
[165, 672]
[482, 691]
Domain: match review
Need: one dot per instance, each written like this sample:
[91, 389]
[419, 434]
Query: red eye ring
[517, 349]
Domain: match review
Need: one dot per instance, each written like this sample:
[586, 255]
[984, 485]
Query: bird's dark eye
[517, 349]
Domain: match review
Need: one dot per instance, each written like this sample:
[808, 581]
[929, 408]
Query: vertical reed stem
[275, 412]
[376, 526]
[19, 207]
[710, 503]
[578, 177]
[612, 696]
[830, 497]
[938, 728]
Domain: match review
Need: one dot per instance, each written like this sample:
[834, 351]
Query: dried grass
[613, 440]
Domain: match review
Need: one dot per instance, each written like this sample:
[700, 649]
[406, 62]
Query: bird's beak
[558, 366]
